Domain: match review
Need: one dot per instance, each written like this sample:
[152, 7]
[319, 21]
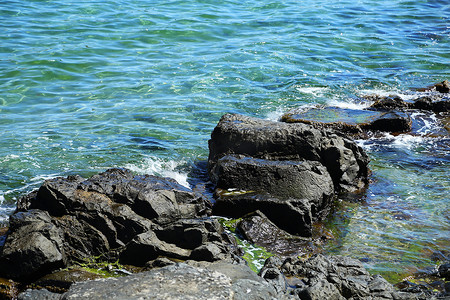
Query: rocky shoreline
[277, 178]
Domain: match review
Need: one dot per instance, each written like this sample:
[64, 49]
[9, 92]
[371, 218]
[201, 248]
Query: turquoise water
[88, 85]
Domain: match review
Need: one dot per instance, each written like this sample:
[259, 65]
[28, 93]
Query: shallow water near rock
[85, 86]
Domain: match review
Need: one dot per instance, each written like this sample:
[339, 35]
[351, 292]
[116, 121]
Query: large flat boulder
[280, 178]
[181, 281]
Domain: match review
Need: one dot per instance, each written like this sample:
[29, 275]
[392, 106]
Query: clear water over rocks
[85, 86]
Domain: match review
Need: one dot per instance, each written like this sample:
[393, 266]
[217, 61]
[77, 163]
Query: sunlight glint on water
[85, 86]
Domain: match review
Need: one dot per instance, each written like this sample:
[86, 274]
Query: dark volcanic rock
[237, 134]
[33, 247]
[292, 215]
[284, 179]
[290, 172]
[356, 123]
[429, 102]
[389, 103]
[333, 277]
[433, 103]
[392, 121]
[259, 230]
[441, 87]
[114, 214]
[61, 280]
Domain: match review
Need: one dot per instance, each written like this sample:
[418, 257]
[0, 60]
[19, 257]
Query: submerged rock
[353, 122]
[116, 215]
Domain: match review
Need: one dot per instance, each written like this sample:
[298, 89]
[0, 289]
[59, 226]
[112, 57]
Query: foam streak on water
[89, 85]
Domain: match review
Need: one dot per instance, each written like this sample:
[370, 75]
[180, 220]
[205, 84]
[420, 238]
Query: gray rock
[259, 230]
[320, 290]
[173, 282]
[272, 274]
[33, 247]
[115, 215]
[180, 281]
[283, 179]
[42, 294]
[291, 215]
[263, 139]
[338, 277]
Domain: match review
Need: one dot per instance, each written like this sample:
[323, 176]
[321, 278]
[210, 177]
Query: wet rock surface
[290, 172]
[114, 214]
[391, 114]
[333, 277]
[277, 141]
[259, 230]
[280, 177]
[353, 122]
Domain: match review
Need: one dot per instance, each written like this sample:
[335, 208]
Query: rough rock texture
[178, 281]
[284, 179]
[292, 170]
[392, 121]
[330, 277]
[42, 294]
[8, 288]
[33, 247]
[355, 123]
[258, 229]
[292, 215]
[172, 282]
[114, 214]
[263, 139]
[432, 102]
[441, 87]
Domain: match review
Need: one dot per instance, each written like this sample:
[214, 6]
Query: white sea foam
[348, 104]
[275, 115]
[157, 166]
[5, 210]
[409, 95]
[43, 177]
[402, 141]
[315, 91]
[407, 141]
[429, 123]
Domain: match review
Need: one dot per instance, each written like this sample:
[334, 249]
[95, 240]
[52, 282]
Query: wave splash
[160, 167]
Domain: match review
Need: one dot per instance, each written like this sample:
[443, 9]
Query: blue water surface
[88, 85]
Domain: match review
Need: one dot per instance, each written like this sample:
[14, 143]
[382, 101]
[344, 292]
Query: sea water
[89, 85]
